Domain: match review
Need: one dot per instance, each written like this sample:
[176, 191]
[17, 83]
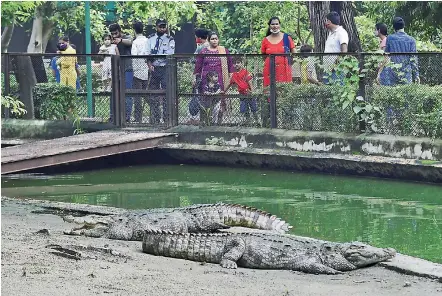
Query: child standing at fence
[242, 79]
[106, 74]
[210, 106]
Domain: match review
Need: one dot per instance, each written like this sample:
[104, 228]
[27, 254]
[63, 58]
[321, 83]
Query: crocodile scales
[195, 219]
[265, 251]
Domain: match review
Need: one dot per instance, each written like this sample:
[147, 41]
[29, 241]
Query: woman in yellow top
[68, 74]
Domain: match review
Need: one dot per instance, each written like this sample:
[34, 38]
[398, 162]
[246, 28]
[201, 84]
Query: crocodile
[265, 251]
[201, 218]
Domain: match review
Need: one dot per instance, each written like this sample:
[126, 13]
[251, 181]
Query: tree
[317, 12]
[13, 14]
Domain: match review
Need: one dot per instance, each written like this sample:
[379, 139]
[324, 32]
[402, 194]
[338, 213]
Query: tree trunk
[36, 40]
[347, 13]
[26, 78]
[48, 27]
[317, 10]
[6, 37]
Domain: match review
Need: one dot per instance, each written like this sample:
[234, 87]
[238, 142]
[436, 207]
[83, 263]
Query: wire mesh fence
[398, 94]
[58, 81]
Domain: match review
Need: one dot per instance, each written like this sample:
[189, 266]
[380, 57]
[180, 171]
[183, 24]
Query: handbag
[194, 104]
[286, 42]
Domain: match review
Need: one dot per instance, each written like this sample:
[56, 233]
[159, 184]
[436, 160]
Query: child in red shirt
[242, 79]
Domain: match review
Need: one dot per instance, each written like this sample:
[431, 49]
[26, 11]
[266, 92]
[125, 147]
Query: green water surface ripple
[405, 216]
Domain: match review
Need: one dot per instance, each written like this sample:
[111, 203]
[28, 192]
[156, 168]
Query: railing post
[361, 88]
[7, 80]
[122, 93]
[171, 92]
[115, 97]
[273, 118]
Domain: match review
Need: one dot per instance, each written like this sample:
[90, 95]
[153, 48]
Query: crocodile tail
[240, 215]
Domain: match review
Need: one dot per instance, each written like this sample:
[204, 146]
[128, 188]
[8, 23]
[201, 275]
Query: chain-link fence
[398, 94]
[59, 86]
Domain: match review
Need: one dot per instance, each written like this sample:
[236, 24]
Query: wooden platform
[77, 148]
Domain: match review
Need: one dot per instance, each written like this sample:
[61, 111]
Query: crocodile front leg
[234, 250]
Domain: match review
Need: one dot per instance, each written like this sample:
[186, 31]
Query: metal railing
[292, 92]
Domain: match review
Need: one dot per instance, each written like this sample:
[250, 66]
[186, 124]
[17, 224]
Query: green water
[406, 216]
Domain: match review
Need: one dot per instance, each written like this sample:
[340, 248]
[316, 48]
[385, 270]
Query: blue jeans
[129, 77]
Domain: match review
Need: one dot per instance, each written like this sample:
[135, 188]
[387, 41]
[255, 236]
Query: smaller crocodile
[265, 251]
[201, 218]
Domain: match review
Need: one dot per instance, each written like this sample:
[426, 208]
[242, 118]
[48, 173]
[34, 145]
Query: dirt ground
[29, 267]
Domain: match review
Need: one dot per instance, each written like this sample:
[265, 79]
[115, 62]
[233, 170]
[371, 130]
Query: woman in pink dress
[222, 65]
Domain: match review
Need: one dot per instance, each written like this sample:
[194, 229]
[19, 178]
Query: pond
[383, 213]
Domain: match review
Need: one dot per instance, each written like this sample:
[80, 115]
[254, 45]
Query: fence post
[361, 88]
[115, 96]
[273, 118]
[122, 92]
[171, 92]
[7, 80]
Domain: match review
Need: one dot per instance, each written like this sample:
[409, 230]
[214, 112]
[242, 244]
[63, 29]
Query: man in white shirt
[141, 71]
[337, 41]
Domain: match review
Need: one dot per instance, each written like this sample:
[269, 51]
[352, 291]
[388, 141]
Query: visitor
[308, 68]
[384, 72]
[106, 72]
[56, 71]
[159, 43]
[400, 41]
[337, 41]
[67, 64]
[201, 39]
[141, 72]
[277, 42]
[222, 65]
[201, 42]
[381, 31]
[210, 106]
[124, 45]
[242, 80]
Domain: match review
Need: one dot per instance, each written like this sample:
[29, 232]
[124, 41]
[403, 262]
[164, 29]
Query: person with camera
[159, 43]
[124, 45]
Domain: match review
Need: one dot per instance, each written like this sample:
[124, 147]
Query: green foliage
[422, 18]
[185, 77]
[312, 107]
[366, 27]
[242, 25]
[17, 12]
[417, 109]
[15, 106]
[53, 101]
[175, 12]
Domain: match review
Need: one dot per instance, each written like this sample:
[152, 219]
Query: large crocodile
[194, 219]
[265, 251]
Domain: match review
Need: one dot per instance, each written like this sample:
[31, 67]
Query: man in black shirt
[124, 44]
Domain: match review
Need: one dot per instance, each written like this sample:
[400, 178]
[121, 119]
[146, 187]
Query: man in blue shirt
[407, 65]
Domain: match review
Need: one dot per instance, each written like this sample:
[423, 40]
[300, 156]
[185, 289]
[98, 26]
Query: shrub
[412, 109]
[53, 101]
[312, 107]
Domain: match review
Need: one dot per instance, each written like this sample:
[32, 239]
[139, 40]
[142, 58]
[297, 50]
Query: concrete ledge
[46, 129]
[414, 266]
[374, 166]
[320, 142]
